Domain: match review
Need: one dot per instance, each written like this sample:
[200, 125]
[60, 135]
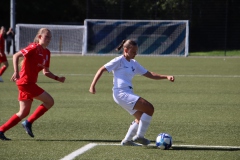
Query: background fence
[153, 37]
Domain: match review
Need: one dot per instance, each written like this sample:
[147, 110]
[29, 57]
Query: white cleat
[128, 143]
[141, 140]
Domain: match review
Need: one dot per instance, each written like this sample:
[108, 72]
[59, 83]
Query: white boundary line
[79, 151]
[92, 145]
[208, 76]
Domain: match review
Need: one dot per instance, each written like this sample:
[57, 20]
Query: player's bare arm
[96, 78]
[156, 76]
[49, 74]
[16, 57]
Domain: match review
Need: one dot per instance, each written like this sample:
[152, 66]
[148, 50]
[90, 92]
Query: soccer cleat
[1, 80]
[28, 127]
[141, 140]
[2, 137]
[128, 143]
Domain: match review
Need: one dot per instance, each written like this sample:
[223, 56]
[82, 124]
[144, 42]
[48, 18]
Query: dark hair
[126, 44]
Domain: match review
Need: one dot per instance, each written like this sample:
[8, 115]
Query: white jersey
[124, 71]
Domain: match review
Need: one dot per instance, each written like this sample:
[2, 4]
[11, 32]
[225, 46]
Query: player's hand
[1, 54]
[61, 79]
[92, 90]
[171, 78]
[15, 76]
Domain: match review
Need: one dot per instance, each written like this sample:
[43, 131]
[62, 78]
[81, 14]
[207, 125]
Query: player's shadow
[183, 148]
[199, 147]
[205, 148]
[84, 140]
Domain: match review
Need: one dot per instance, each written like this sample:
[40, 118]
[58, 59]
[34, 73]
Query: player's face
[2, 30]
[45, 39]
[131, 52]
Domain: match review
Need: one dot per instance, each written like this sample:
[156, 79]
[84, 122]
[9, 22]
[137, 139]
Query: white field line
[79, 151]
[207, 76]
[92, 145]
[210, 76]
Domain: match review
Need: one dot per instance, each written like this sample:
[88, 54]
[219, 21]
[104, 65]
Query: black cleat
[28, 127]
[2, 137]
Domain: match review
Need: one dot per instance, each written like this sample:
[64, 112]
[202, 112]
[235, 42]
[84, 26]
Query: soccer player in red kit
[3, 58]
[36, 59]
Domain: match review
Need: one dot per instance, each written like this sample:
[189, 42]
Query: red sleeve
[29, 49]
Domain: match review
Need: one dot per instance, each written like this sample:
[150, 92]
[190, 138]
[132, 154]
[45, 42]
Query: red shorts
[29, 91]
[3, 58]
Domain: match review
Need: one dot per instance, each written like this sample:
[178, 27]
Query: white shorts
[126, 99]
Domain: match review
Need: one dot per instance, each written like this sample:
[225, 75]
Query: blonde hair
[126, 44]
[40, 32]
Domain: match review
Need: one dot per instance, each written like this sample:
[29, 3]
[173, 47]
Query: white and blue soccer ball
[164, 141]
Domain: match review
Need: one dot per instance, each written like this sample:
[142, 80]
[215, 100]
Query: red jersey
[35, 59]
[2, 44]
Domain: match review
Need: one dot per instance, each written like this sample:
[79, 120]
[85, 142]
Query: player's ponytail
[121, 45]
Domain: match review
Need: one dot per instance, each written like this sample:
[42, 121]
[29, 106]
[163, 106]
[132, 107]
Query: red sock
[37, 113]
[10, 123]
[2, 70]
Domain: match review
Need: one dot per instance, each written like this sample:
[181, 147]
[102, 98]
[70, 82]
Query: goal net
[65, 38]
[154, 37]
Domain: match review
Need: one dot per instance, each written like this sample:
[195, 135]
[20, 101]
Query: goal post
[65, 38]
[154, 37]
[101, 37]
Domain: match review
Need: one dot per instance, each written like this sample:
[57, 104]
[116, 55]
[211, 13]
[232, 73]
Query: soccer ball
[164, 141]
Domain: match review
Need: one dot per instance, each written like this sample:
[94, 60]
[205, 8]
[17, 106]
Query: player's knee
[6, 64]
[150, 109]
[51, 103]
[22, 114]
[48, 104]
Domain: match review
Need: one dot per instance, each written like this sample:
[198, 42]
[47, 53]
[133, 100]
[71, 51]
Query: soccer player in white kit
[124, 68]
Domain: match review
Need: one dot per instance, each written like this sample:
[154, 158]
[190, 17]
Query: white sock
[131, 131]
[143, 124]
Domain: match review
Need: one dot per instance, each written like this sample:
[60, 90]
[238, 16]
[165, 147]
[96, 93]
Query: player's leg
[46, 98]
[48, 102]
[25, 107]
[5, 65]
[40, 110]
[38, 93]
[144, 114]
[132, 130]
[16, 118]
[141, 109]
[127, 99]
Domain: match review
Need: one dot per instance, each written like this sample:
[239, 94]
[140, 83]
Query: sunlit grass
[200, 108]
